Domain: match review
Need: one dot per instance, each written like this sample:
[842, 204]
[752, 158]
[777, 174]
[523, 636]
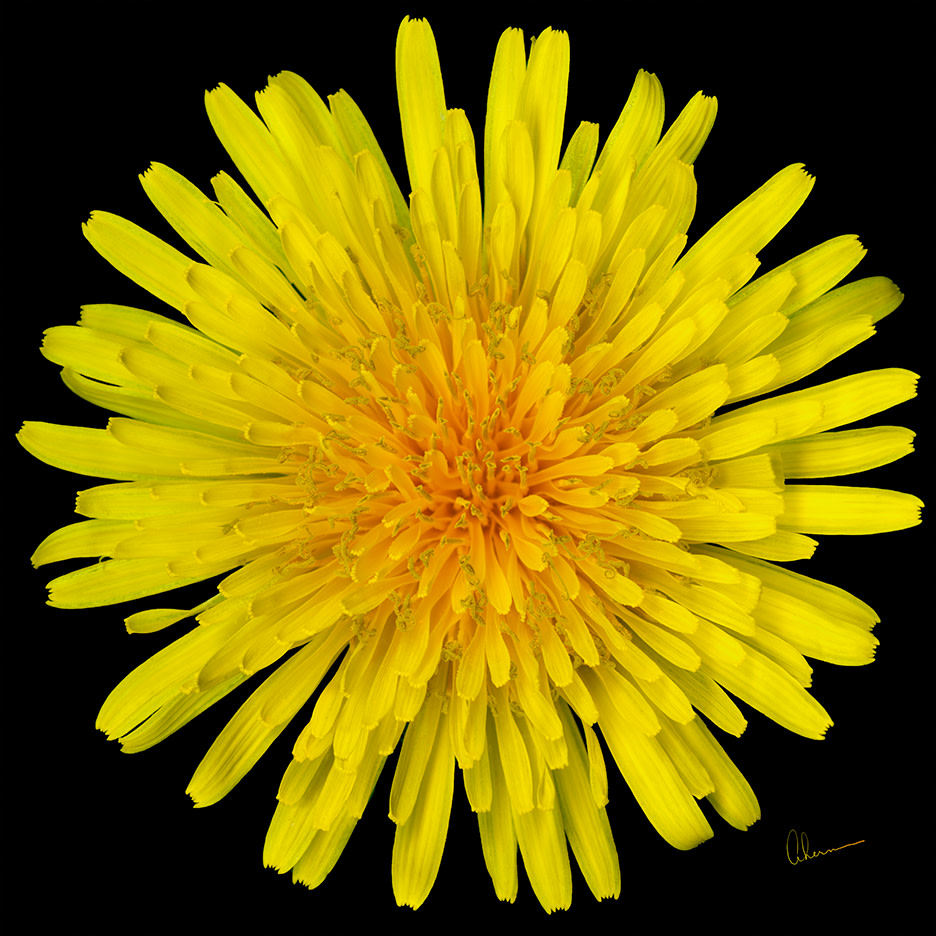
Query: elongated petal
[820, 508]
[586, 824]
[419, 841]
[422, 99]
[260, 720]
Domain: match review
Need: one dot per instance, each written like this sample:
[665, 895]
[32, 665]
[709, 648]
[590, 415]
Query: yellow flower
[471, 451]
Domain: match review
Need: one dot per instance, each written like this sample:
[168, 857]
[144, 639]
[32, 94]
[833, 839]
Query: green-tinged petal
[874, 297]
[198, 220]
[100, 453]
[148, 261]
[692, 396]
[155, 619]
[261, 719]
[168, 673]
[799, 359]
[255, 227]
[93, 353]
[359, 138]
[823, 508]
[830, 454]
[250, 144]
[90, 538]
[781, 546]
[806, 412]
[829, 598]
[127, 322]
[814, 631]
[813, 273]
[781, 652]
[750, 226]
[175, 714]
[140, 404]
[116, 580]
[579, 157]
[635, 133]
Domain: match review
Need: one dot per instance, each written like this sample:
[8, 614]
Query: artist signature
[797, 847]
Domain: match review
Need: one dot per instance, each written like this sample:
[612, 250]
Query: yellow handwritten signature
[797, 847]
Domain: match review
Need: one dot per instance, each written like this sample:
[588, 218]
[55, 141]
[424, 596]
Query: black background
[110, 842]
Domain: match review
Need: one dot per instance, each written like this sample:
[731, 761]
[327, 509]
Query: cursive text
[797, 847]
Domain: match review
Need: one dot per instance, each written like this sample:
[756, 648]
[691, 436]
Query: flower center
[457, 468]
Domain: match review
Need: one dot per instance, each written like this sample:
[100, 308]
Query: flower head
[463, 464]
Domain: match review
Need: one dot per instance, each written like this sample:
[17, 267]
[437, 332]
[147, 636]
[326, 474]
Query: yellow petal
[822, 508]
[261, 719]
[421, 97]
[830, 454]
[419, 841]
[541, 837]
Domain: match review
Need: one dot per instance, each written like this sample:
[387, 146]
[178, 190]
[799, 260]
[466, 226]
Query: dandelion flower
[463, 465]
